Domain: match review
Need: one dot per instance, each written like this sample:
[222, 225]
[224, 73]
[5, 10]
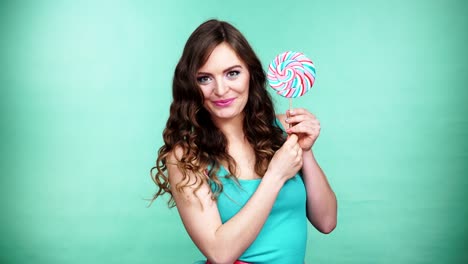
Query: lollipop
[291, 74]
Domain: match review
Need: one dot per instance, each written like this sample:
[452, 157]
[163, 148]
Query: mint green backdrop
[85, 93]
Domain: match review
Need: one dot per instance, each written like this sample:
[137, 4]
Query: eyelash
[230, 74]
[205, 79]
[201, 79]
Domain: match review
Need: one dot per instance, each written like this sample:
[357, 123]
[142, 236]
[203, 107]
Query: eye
[233, 74]
[203, 79]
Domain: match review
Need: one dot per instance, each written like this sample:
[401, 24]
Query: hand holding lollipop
[292, 74]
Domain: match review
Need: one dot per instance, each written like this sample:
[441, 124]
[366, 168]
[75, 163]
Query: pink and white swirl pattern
[291, 74]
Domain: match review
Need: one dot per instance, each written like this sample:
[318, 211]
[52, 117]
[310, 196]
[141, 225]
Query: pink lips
[223, 103]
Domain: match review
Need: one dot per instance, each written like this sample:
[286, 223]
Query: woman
[244, 185]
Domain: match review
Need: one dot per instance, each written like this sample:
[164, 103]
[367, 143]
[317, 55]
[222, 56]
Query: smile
[223, 103]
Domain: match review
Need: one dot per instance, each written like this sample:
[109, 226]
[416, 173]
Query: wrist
[307, 151]
[304, 150]
[273, 182]
[308, 154]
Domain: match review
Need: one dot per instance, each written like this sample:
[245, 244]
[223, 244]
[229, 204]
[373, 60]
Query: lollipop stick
[290, 109]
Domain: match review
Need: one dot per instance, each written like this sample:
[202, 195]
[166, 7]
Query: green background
[85, 94]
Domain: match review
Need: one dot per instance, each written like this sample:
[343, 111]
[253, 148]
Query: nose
[221, 87]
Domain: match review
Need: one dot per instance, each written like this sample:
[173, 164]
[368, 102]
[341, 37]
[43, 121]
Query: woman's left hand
[305, 125]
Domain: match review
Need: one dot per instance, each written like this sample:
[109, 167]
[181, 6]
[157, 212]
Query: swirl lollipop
[291, 74]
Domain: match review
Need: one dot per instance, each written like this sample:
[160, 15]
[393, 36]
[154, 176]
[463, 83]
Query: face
[224, 81]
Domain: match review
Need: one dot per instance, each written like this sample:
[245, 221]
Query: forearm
[321, 200]
[236, 235]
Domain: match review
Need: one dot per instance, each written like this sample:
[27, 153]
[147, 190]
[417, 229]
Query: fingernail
[286, 120]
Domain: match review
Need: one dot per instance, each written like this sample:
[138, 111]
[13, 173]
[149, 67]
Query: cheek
[242, 85]
[246, 85]
[206, 91]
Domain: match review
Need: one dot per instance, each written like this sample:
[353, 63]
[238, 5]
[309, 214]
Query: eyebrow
[226, 70]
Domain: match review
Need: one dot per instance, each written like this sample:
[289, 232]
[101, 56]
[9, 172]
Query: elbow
[221, 251]
[218, 259]
[221, 257]
[328, 221]
[328, 228]
[324, 225]
[328, 225]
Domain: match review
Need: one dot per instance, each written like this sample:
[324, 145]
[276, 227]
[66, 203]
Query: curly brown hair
[190, 128]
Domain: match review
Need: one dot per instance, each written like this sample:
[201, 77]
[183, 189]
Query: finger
[296, 147]
[301, 118]
[295, 111]
[292, 139]
[298, 111]
[303, 128]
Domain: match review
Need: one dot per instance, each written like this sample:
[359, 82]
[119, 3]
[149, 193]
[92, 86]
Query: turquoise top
[284, 235]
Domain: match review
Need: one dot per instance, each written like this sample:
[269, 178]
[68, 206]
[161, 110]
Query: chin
[225, 115]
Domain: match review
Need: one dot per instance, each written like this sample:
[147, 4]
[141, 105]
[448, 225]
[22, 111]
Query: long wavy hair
[190, 128]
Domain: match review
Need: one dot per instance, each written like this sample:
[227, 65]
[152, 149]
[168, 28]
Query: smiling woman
[243, 185]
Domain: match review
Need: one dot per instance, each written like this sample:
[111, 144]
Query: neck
[233, 129]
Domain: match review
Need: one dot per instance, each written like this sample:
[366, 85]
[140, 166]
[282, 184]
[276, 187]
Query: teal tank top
[283, 237]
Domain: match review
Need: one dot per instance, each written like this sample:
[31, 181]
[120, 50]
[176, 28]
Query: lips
[223, 103]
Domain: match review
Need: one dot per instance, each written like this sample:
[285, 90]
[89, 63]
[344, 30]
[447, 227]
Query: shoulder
[175, 166]
[187, 182]
[172, 163]
[175, 155]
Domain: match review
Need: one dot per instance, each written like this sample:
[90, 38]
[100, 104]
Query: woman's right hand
[287, 160]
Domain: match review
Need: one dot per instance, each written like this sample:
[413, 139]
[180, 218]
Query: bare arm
[321, 200]
[224, 243]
